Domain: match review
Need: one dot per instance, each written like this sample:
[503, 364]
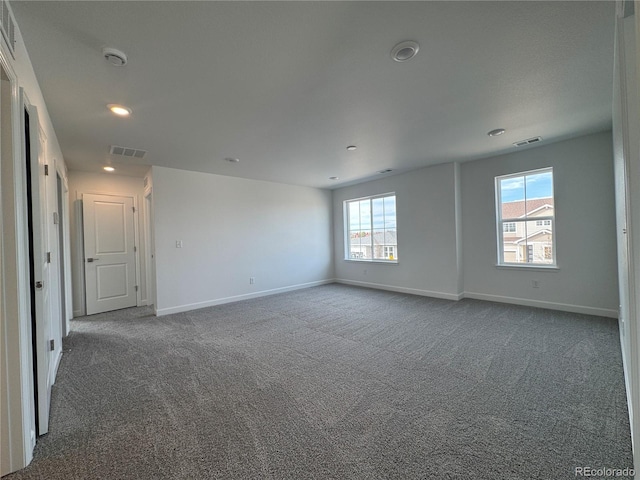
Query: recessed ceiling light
[115, 57]
[108, 169]
[351, 148]
[333, 178]
[405, 51]
[120, 110]
[232, 160]
[497, 132]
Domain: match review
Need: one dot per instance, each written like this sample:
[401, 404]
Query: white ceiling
[286, 86]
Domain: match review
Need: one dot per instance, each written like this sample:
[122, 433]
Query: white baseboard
[392, 288]
[563, 307]
[219, 301]
[627, 384]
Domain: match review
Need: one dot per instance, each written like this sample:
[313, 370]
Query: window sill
[387, 262]
[508, 266]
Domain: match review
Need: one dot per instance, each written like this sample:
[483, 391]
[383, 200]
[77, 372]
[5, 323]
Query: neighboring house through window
[509, 227]
[371, 230]
[525, 212]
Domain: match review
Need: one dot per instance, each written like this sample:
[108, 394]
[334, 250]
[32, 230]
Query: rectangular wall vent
[127, 152]
[528, 141]
[8, 27]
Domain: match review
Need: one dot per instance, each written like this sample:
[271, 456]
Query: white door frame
[17, 378]
[149, 247]
[79, 236]
[64, 247]
[626, 123]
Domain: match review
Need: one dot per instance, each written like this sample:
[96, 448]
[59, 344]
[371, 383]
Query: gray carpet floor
[337, 382]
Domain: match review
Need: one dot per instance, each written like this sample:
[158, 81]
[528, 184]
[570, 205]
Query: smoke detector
[114, 57]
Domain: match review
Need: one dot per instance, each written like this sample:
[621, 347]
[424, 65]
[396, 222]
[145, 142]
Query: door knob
[90, 260]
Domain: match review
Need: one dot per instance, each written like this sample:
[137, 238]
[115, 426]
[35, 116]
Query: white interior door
[41, 271]
[109, 251]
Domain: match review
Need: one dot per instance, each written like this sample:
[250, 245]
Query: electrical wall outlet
[178, 243]
[252, 280]
[535, 283]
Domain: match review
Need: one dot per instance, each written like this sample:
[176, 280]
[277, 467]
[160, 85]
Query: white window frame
[501, 221]
[347, 232]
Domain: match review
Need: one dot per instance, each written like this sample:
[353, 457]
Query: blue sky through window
[379, 212]
[539, 185]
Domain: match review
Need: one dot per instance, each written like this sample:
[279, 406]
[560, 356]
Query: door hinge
[46, 169]
[56, 218]
[52, 344]
[48, 257]
[135, 249]
[136, 288]
[134, 209]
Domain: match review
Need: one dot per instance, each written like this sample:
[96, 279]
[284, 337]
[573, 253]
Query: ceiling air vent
[8, 27]
[528, 141]
[386, 170]
[127, 152]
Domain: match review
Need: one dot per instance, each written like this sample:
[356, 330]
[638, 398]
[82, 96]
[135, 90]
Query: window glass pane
[377, 205]
[512, 197]
[360, 235]
[539, 243]
[391, 237]
[354, 216]
[365, 215]
[390, 213]
[378, 239]
[530, 244]
[539, 187]
[371, 229]
[512, 244]
[526, 203]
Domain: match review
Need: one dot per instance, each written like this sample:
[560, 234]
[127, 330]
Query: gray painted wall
[427, 234]
[233, 229]
[586, 279]
[447, 231]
